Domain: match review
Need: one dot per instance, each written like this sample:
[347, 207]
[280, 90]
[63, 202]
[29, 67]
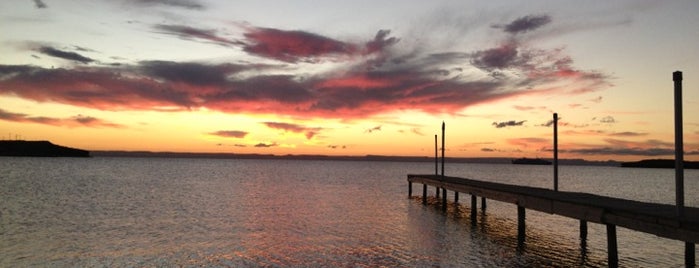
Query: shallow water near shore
[118, 212]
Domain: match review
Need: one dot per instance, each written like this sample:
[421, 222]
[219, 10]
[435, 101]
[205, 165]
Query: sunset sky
[351, 77]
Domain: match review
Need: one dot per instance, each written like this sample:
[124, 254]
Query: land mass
[38, 149]
[660, 163]
[492, 160]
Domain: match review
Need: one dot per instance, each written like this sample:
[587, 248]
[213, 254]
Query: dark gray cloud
[189, 72]
[496, 58]
[230, 133]
[40, 4]
[66, 55]
[526, 23]
[511, 123]
[188, 4]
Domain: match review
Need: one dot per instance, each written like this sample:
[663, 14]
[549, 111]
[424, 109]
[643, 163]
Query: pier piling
[689, 259]
[521, 225]
[612, 253]
[474, 218]
[424, 193]
[483, 204]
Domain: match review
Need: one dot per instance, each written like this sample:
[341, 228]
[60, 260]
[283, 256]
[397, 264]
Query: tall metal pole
[555, 151]
[444, 190]
[679, 147]
[436, 157]
[442, 149]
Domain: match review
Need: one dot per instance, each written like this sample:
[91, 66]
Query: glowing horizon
[211, 76]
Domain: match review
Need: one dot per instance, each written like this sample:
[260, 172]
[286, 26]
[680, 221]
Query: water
[126, 212]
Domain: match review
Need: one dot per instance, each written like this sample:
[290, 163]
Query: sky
[352, 77]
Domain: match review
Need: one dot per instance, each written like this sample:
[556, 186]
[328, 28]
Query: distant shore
[38, 149]
[491, 160]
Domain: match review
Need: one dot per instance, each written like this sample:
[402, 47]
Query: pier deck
[656, 219]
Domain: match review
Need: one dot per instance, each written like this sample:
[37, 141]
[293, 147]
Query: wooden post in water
[483, 204]
[424, 193]
[679, 147]
[444, 190]
[583, 230]
[474, 208]
[436, 163]
[521, 235]
[456, 197]
[410, 189]
[555, 151]
[689, 255]
[612, 253]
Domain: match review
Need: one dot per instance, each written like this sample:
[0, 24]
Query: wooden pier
[656, 219]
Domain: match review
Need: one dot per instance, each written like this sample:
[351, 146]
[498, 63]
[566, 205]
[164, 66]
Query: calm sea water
[116, 212]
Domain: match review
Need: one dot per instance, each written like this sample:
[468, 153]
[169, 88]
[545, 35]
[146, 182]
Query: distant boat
[530, 161]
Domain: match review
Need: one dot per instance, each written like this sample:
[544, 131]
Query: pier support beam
[583, 230]
[612, 253]
[521, 235]
[410, 189]
[689, 258]
[456, 197]
[424, 194]
[474, 208]
[483, 204]
[444, 199]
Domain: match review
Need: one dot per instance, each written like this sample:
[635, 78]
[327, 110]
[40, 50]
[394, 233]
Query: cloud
[628, 134]
[530, 141]
[230, 133]
[309, 132]
[296, 46]
[66, 55]
[266, 145]
[188, 4]
[376, 128]
[607, 120]
[496, 58]
[75, 121]
[40, 4]
[526, 23]
[370, 79]
[337, 146]
[510, 123]
[189, 32]
[488, 150]
[529, 108]
[417, 131]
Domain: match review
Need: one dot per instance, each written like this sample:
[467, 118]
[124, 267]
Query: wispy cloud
[628, 134]
[370, 130]
[526, 23]
[511, 123]
[230, 133]
[309, 132]
[266, 145]
[529, 142]
[75, 121]
[66, 55]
